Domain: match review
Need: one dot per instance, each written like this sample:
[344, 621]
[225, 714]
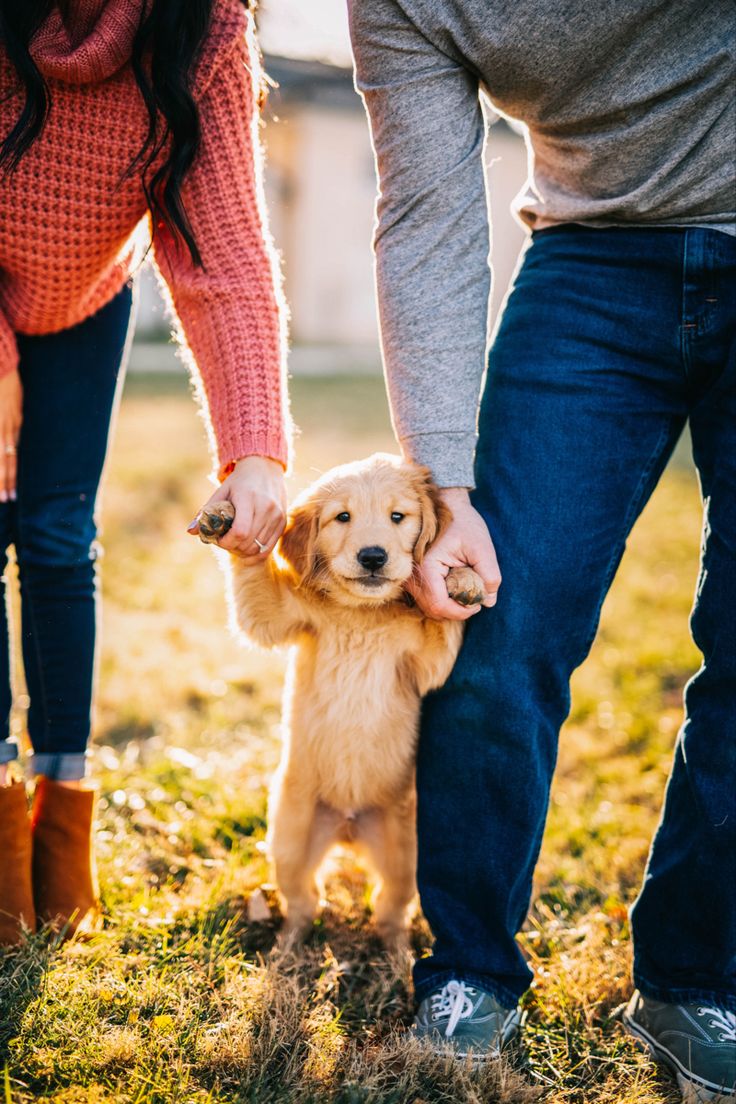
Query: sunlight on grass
[179, 999]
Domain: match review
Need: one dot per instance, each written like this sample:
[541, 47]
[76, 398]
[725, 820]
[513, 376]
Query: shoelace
[453, 1000]
[723, 1021]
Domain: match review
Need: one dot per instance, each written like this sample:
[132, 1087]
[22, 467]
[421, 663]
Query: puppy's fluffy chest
[357, 710]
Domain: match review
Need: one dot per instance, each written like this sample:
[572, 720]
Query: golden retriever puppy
[363, 656]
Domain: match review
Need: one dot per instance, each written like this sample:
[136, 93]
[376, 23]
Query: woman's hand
[256, 489]
[11, 417]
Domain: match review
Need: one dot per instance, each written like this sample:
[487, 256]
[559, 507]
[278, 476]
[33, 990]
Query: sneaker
[696, 1042]
[466, 1019]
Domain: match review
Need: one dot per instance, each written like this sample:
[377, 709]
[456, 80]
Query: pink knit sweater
[71, 226]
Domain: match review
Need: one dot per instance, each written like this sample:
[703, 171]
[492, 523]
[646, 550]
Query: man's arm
[433, 276]
[432, 237]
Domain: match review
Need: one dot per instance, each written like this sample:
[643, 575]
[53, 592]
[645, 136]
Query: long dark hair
[169, 37]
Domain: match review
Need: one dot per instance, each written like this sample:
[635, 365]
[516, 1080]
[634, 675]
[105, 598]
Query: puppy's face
[358, 532]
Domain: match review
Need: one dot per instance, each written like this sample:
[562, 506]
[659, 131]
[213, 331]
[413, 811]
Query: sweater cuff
[272, 446]
[449, 456]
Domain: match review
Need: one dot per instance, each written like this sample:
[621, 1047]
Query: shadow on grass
[328, 1022]
[22, 973]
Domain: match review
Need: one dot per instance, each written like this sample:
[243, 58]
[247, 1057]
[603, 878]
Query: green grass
[180, 998]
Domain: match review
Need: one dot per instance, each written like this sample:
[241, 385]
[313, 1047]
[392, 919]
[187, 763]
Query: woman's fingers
[8, 469]
[266, 528]
[239, 537]
[266, 540]
[260, 547]
[11, 471]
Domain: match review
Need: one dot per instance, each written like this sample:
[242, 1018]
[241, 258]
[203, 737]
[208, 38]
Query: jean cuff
[63, 767]
[427, 985]
[723, 998]
[8, 752]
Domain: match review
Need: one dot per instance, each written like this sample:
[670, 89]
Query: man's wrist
[455, 494]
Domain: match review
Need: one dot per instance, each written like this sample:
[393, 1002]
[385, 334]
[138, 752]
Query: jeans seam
[684, 347]
[629, 519]
[36, 647]
[37, 650]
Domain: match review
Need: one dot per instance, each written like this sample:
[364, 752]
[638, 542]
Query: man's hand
[466, 542]
[256, 489]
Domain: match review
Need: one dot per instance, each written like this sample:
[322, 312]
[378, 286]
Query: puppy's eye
[396, 517]
[343, 517]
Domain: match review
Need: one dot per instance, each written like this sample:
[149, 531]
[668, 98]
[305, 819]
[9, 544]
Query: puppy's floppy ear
[297, 542]
[435, 515]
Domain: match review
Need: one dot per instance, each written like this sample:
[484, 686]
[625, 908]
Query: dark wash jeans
[70, 382]
[610, 341]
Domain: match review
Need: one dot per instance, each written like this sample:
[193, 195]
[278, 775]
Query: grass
[181, 999]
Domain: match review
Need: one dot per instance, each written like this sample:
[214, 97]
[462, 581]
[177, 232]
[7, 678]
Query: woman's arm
[432, 237]
[231, 311]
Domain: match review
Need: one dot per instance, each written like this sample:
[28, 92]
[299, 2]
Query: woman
[620, 328]
[115, 116]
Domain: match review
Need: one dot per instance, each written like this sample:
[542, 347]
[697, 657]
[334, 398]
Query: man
[620, 328]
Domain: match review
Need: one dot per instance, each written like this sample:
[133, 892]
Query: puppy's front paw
[465, 586]
[214, 521]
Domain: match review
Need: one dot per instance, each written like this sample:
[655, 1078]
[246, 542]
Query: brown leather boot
[16, 889]
[64, 873]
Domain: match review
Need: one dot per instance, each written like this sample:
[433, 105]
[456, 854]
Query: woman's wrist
[256, 463]
[252, 463]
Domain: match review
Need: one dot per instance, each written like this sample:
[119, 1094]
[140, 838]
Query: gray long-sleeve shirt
[631, 120]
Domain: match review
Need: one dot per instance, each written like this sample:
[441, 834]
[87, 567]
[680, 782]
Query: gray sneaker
[466, 1019]
[697, 1042]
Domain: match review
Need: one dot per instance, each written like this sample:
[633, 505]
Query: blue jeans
[610, 341]
[70, 382]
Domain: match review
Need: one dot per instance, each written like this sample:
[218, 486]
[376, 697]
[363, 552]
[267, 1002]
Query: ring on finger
[260, 545]
[10, 450]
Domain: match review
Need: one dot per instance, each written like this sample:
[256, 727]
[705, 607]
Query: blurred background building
[320, 189]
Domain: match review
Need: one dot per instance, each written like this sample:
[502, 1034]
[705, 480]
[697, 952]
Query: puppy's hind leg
[300, 836]
[389, 836]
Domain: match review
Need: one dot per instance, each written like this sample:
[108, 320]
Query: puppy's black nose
[372, 558]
